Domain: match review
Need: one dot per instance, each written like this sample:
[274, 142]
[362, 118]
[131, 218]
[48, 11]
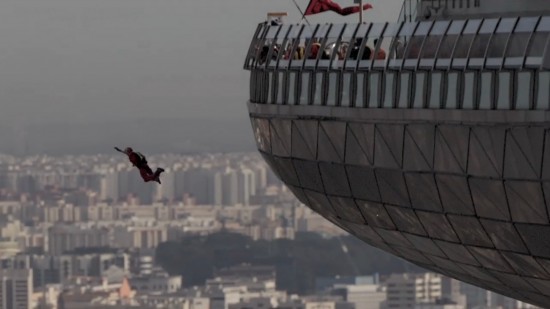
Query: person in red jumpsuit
[138, 160]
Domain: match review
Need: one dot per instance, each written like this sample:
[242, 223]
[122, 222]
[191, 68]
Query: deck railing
[492, 44]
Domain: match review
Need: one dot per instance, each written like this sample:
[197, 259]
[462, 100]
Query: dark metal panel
[437, 226]
[455, 194]
[486, 153]
[376, 215]
[406, 220]
[536, 238]
[363, 183]
[304, 139]
[425, 244]
[419, 147]
[308, 174]
[524, 149]
[332, 138]
[491, 259]
[360, 144]
[504, 235]
[526, 202]
[347, 209]
[423, 191]
[389, 145]
[260, 127]
[525, 265]
[392, 187]
[334, 179]
[280, 137]
[457, 252]
[470, 231]
[451, 148]
[489, 198]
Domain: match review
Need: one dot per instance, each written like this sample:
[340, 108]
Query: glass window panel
[253, 86]
[544, 24]
[304, 91]
[543, 90]
[469, 88]
[480, 46]
[407, 29]
[420, 85]
[447, 45]
[430, 46]
[523, 93]
[269, 87]
[452, 84]
[291, 88]
[423, 28]
[518, 42]
[404, 93]
[414, 46]
[374, 84]
[503, 101]
[280, 88]
[537, 44]
[488, 25]
[260, 92]
[435, 91]
[506, 25]
[389, 93]
[318, 94]
[526, 24]
[497, 45]
[359, 99]
[472, 26]
[456, 27]
[332, 88]
[439, 27]
[346, 82]
[463, 46]
[356, 53]
[380, 48]
[486, 89]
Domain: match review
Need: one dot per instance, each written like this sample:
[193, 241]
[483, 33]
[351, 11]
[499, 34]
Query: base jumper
[139, 161]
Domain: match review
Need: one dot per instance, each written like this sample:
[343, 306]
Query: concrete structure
[366, 296]
[16, 289]
[436, 150]
[408, 290]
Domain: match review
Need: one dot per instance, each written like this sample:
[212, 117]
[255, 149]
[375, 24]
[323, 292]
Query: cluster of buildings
[216, 179]
[59, 230]
[122, 280]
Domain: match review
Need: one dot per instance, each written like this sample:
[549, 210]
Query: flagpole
[360, 2]
[301, 12]
[360, 11]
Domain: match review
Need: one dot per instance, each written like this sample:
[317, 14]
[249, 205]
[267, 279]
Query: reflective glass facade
[436, 150]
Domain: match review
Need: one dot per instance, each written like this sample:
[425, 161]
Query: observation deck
[428, 138]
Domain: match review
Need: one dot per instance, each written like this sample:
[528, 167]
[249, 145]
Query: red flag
[319, 6]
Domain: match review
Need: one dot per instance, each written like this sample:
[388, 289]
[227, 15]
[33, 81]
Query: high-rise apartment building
[15, 288]
[407, 290]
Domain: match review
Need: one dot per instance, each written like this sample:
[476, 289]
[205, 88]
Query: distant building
[438, 306]
[324, 283]
[16, 289]
[64, 238]
[408, 290]
[157, 282]
[366, 296]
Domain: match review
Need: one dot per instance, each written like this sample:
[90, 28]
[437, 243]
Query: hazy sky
[74, 60]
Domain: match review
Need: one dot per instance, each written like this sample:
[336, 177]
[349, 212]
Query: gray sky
[104, 60]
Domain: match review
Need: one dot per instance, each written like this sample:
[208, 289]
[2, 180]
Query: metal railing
[480, 44]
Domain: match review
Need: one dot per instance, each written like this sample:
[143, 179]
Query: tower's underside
[466, 199]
